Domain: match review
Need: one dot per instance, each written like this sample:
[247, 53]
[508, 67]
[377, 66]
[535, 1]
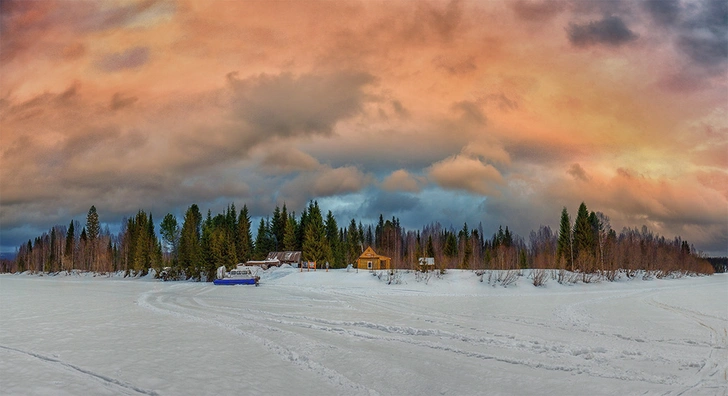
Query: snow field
[339, 332]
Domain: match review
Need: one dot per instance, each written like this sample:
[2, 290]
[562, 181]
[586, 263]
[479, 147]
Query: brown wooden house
[370, 260]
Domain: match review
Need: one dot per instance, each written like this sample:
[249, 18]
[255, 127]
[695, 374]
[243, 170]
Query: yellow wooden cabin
[370, 260]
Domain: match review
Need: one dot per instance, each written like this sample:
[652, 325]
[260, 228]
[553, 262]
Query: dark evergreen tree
[583, 236]
[277, 226]
[336, 259]
[169, 229]
[92, 233]
[92, 224]
[369, 237]
[190, 254]
[290, 243]
[430, 250]
[354, 249]
[244, 242]
[263, 240]
[315, 244]
[378, 233]
[564, 247]
[70, 246]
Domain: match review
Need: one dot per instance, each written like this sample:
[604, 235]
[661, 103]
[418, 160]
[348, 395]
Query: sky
[485, 112]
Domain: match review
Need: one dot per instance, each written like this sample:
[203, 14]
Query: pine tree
[244, 243]
[315, 244]
[430, 250]
[354, 249]
[92, 224]
[170, 235]
[378, 233]
[564, 246]
[467, 246]
[190, 254]
[70, 246]
[277, 226]
[451, 247]
[583, 235]
[92, 232]
[263, 240]
[332, 235]
[289, 238]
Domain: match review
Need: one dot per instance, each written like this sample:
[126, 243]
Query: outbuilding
[288, 257]
[370, 260]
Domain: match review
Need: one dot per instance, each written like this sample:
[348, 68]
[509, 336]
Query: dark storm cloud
[663, 12]
[129, 59]
[287, 106]
[609, 31]
[390, 203]
[704, 35]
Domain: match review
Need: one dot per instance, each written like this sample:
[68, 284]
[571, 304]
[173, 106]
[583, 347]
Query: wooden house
[370, 260]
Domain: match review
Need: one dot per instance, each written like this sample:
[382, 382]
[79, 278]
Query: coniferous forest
[198, 244]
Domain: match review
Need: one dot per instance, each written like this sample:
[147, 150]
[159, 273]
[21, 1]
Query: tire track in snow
[714, 370]
[409, 335]
[147, 300]
[103, 378]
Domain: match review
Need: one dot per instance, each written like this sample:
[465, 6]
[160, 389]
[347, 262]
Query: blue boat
[241, 275]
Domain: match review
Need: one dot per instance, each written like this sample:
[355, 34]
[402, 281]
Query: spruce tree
[277, 226]
[564, 245]
[92, 232]
[353, 250]
[289, 238]
[430, 249]
[332, 235]
[70, 245]
[190, 254]
[170, 235]
[92, 224]
[244, 243]
[263, 240]
[583, 233]
[315, 244]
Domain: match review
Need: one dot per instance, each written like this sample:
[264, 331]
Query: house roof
[287, 256]
[370, 253]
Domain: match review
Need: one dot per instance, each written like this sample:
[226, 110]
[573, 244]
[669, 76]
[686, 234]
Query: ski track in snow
[123, 387]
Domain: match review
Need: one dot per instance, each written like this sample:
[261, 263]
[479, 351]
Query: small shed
[287, 257]
[370, 260]
[427, 264]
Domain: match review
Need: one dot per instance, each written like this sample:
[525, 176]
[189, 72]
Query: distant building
[370, 260]
[427, 264]
[288, 257]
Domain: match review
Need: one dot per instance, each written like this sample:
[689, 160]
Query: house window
[369, 265]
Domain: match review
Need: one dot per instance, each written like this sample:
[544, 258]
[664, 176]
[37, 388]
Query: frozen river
[348, 333]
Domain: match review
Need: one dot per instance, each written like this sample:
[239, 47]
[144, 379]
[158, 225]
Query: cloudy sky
[489, 112]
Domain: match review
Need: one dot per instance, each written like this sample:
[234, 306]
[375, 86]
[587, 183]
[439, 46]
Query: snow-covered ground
[349, 333]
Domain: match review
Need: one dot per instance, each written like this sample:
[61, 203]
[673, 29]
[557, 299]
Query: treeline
[194, 248]
[135, 248]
